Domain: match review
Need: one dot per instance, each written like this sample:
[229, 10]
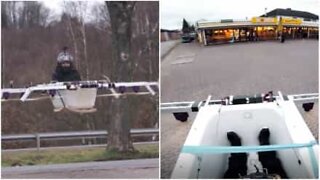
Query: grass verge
[59, 156]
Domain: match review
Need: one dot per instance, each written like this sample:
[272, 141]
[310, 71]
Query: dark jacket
[62, 74]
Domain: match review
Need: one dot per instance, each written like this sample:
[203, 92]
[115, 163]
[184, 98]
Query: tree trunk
[75, 46]
[82, 6]
[73, 37]
[84, 41]
[122, 68]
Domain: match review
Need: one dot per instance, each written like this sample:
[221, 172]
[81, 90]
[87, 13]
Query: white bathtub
[214, 121]
[79, 100]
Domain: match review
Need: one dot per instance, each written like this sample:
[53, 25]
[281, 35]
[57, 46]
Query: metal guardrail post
[38, 141]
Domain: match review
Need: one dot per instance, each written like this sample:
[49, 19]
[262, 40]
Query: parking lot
[192, 72]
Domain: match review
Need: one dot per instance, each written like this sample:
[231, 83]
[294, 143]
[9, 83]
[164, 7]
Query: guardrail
[73, 135]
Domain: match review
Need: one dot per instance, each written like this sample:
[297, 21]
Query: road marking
[183, 59]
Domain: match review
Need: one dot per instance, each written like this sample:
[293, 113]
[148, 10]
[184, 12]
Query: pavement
[167, 47]
[141, 168]
[192, 72]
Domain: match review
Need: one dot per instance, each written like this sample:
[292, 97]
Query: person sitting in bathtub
[65, 70]
[237, 165]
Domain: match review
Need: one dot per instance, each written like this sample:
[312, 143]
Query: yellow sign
[291, 21]
[263, 20]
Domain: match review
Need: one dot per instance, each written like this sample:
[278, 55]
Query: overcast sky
[173, 11]
[54, 5]
[57, 5]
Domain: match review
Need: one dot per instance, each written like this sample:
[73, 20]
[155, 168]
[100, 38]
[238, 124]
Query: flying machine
[77, 96]
[206, 149]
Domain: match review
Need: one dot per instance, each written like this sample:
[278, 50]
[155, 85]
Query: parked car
[187, 37]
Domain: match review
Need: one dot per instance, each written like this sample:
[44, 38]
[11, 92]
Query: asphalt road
[192, 72]
[142, 168]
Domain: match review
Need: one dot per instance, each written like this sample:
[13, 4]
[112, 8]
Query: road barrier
[73, 135]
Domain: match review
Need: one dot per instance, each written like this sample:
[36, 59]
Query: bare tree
[100, 17]
[31, 14]
[73, 38]
[76, 12]
[121, 21]
[82, 16]
[4, 15]
[147, 35]
[9, 14]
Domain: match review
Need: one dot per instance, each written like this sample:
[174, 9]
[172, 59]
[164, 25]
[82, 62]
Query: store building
[294, 31]
[266, 27]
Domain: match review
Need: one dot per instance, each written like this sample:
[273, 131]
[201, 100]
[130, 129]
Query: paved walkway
[167, 46]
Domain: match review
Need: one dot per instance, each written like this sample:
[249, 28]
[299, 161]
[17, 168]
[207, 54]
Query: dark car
[186, 38]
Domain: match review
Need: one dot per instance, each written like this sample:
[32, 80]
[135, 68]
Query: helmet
[65, 58]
